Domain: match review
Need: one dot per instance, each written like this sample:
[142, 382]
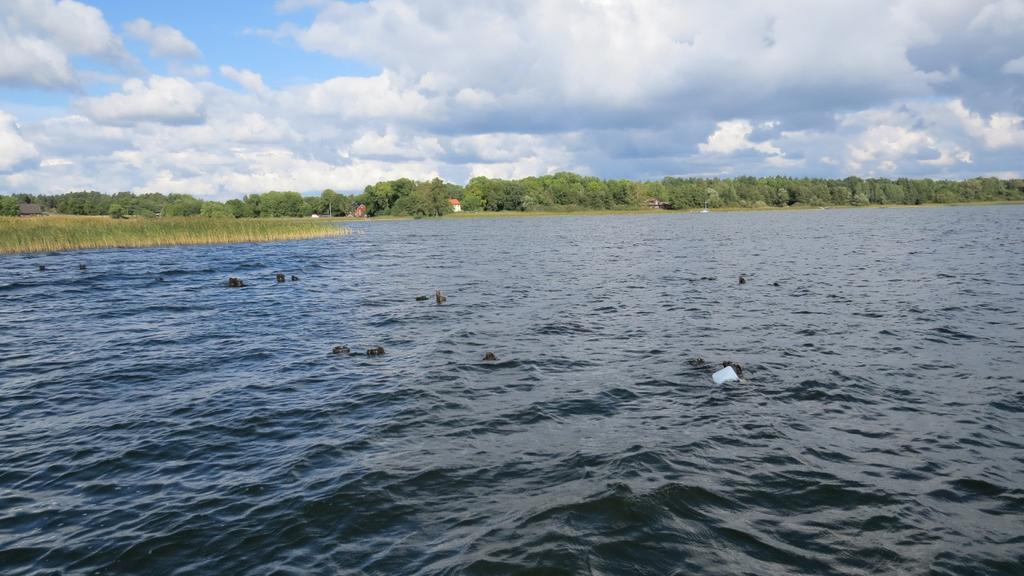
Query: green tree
[117, 211]
[8, 206]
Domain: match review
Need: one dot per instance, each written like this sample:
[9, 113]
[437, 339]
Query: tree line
[561, 191]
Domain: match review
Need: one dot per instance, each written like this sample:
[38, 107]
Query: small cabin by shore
[27, 209]
[455, 205]
[360, 211]
[656, 204]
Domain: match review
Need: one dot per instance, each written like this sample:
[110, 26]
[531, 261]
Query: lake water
[154, 421]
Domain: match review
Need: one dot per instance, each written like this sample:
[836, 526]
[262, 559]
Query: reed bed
[53, 233]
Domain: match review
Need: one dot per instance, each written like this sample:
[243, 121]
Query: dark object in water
[378, 351]
[340, 350]
[295, 278]
[43, 269]
[440, 297]
[776, 284]
[743, 279]
[490, 357]
[81, 266]
[280, 278]
[735, 366]
[696, 362]
[159, 278]
[422, 298]
[707, 278]
[235, 283]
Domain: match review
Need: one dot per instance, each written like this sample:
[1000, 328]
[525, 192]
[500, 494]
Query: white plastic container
[724, 375]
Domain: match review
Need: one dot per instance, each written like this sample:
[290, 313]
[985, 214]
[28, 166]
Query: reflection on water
[155, 421]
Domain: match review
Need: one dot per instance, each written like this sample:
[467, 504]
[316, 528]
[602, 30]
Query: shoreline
[656, 212]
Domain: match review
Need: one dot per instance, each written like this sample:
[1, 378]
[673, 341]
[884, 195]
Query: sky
[223, 98]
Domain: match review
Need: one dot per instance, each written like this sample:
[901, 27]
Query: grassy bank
[52, 233]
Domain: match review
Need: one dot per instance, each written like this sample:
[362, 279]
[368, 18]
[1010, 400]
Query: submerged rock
[81, 266]
[42, 268]
[235, 283]
[280, 278]
[295, 278]
[378, 351]
[696, 362]
[440, 297]
[340, 350]
[776, 284]
[490, 357]
[743, 279]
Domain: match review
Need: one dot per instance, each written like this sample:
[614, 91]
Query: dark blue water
[177, 426]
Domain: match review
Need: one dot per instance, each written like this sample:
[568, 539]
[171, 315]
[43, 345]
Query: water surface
[155, 421]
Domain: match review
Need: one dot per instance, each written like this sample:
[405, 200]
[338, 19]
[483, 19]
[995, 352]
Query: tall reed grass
[51, 233]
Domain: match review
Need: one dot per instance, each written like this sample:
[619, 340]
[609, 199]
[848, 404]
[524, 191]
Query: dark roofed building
[26, 209]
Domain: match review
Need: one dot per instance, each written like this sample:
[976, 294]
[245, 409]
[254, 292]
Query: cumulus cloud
[164, 41]
[13, 148]
[39, 37]
[732, 136]
[158, 99]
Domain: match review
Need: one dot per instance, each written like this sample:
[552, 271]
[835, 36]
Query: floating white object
[724, 375]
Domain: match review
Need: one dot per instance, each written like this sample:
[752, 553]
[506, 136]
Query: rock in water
[81, 266]
[743, 279]
[235, 283]
[440, 297]
[490, 357]
[340, 350]
[295, 278]
[43, 269]
[280, 278]
[422, 298]
[378, 351]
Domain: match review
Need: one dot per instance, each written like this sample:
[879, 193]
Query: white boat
[705, 210]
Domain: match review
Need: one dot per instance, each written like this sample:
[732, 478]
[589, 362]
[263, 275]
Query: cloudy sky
[220, 98]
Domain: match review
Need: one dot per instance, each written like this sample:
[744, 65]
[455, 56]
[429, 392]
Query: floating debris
[724, 375]
[159, 278]
[378, 351]
[490, 357]
[697, 362]
[340, 350]
[295, 278]
[43, 269]
[235, 283]
[776, 284]
[280, 278]
[734, 365]
[440, 297]
[422, 298]
[743, 279]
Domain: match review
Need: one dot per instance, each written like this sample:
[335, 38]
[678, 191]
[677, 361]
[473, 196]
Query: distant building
[360, 211]
[658, 204]
[30, 210]
[455, 205]
[315, 216]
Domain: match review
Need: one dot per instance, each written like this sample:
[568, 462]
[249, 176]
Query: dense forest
[562, 191]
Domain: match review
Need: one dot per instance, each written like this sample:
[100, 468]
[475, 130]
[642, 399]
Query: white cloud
[245, 78]
[734, 135]
[159, 99]
[13, 148]
[378, 96]
[164, 41]
[40, 36]
[388, 145]
[998, 131]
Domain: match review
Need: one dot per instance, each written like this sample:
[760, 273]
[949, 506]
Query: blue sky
[225, 98]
